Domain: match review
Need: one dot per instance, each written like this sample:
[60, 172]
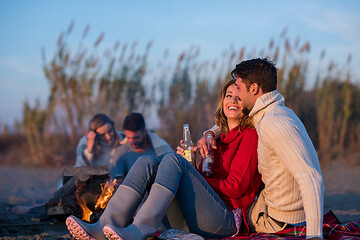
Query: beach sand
[34, 186]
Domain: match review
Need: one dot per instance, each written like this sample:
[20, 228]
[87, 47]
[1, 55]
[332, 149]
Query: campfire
[107, 191]
[85, 194]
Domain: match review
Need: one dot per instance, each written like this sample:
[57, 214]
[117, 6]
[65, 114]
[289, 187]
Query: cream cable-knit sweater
[288, 164]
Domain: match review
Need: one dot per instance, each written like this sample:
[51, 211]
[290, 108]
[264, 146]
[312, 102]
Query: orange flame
[60, 202]
[107, 191]
[86, 212]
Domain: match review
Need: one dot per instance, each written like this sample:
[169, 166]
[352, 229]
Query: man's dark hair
[134, 122]
[260, 71]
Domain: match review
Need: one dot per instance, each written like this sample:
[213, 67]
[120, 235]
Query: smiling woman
[232, 106]
[229, 113]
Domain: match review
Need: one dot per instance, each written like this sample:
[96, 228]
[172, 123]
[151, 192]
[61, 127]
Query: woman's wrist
[88, 154]
[88, 151]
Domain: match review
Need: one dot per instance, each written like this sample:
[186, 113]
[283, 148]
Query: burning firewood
[85, 193]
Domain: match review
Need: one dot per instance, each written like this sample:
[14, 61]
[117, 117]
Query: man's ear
[254, 89]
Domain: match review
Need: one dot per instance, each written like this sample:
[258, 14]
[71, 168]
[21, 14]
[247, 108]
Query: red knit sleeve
[243, 168]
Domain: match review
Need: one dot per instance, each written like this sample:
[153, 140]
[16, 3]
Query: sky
[26, 27]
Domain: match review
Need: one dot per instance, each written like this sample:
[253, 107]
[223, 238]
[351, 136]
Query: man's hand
[202, 144]
[90, 140]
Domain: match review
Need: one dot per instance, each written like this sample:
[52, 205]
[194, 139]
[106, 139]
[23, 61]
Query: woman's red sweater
[235, 173]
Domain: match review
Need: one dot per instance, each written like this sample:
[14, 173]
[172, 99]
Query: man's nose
[237, 92]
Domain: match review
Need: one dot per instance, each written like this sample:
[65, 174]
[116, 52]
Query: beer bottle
[208, 161]
[187, 144]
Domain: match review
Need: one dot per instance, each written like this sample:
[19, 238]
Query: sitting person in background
[213, 207]
[138, 142]
[103, 145]
[100, 146]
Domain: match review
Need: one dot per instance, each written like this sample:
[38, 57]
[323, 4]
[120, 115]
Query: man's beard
[138, 145]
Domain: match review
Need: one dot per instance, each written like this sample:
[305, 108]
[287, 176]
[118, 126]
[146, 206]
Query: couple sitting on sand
[230, 201]
[103, 145]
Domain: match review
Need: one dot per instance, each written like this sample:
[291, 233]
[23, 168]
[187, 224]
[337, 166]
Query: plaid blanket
[332, 229]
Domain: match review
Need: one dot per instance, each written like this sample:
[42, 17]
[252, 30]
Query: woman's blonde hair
[221, 120]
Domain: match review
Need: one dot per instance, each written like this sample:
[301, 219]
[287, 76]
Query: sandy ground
[32, 186]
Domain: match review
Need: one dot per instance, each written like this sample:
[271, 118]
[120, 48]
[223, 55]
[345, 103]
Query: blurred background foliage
[121, 80]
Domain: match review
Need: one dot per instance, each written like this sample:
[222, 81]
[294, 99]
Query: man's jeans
[203, 210]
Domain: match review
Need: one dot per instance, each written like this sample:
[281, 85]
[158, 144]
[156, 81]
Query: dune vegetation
[120, 80]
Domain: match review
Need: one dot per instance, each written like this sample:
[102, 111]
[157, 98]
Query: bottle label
[187, 155]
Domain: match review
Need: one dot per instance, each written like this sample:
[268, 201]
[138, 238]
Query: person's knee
[143, 170]
[147, 160]
[173, 159]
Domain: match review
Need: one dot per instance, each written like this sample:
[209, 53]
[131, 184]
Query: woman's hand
[180, 149]
[203, 146]
[90, 140]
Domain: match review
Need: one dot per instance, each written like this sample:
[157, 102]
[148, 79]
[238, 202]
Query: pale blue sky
[27, 26]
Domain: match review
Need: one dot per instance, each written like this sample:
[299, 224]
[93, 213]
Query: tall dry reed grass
[120, 80]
